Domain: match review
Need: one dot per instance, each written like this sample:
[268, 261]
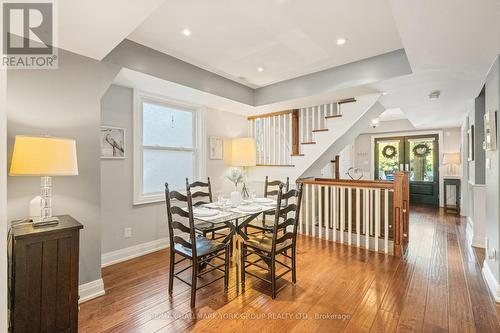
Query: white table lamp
[451, 160]
[44, 157]
[243, 154]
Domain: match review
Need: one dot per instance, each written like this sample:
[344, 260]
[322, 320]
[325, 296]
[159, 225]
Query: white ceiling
[392, 114]
[450, 43]
[94, 27]
[285, 37]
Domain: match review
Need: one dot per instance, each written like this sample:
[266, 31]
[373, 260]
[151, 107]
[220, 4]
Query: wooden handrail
[272, 114]
[348, 182]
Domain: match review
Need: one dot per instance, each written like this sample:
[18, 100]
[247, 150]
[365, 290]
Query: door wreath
[389, 151]
[421, 150]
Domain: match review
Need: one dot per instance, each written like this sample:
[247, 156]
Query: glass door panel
[420, 152]
[388, 157]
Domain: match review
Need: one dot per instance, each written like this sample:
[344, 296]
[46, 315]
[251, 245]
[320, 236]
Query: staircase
[319, 128]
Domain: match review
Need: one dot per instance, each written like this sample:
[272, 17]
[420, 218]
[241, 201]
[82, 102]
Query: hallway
[436, 287]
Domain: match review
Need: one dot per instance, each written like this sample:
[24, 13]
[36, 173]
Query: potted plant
[235, 176]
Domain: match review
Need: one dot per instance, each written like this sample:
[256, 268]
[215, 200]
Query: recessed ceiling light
[341, 41]
[260, 69]
[384, 93]
[186, 32]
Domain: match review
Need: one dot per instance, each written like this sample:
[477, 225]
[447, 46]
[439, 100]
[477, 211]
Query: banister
[272, 114]
[382, 184]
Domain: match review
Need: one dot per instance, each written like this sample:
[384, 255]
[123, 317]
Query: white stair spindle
[268, 140]
[342, 213]
[377, 217]
[386, 221]
[349, 216]
[308, 205]
[367, 217]
[358, 217]
[278, 133]
[320, 209]
[289, 152]
[335, 211]
[327, 214]
[313, 217]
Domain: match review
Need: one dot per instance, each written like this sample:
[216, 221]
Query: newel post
[401, 212]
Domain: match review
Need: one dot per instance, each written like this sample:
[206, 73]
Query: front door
[416, 154]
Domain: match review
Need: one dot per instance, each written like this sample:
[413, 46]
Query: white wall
[3, 201]
[66, 103]
[492, 230]
[148, 221]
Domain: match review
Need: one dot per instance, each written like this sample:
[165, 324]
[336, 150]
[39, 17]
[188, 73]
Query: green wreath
[421, 150]
[389, 151]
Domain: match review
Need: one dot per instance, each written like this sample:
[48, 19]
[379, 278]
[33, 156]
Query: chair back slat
[202, 192]
[288, 222]
[284, 238]
[282, 213]
[179, 211]
[177, 195]
[199, 194]
[289, 208]
[271, 187]
[178, 207]
[180, 226]
[182, 241]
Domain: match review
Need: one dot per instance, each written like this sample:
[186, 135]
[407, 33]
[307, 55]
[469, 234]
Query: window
[165, 148]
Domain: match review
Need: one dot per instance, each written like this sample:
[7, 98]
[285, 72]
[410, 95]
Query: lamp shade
[243, 152]
[451, 158]
[43, 156]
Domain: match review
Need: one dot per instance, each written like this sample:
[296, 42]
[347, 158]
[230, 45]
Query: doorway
[417, 154]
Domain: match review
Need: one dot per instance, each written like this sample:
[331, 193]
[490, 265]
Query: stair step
[308, 143]
[333, 116]
[320, 130]
[276, 165]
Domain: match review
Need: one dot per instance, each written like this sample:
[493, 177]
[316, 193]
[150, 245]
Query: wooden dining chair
[189, 246]
[271, 248]
[270, 190]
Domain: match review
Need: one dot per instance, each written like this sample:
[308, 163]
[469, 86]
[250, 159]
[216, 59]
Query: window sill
[148, 200]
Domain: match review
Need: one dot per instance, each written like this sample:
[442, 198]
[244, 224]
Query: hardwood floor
[436, 287]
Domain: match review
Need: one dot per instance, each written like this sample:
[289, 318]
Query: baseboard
[131, 252]
[90, 290]
[491, 282]
[475, 241]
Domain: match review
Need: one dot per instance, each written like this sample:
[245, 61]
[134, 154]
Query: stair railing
[362, 213]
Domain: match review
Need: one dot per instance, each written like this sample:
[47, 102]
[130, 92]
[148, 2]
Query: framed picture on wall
[490, 130]
[216, 148]
[470, 144]
[112, 142]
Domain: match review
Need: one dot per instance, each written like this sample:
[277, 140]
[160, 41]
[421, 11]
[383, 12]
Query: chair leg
[242, 263]
[171, 271]
[294, 265]
[226, 270]
[193, 282]
[213, 234]
[273, 277]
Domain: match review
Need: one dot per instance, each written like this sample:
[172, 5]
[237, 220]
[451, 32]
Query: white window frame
[139, 197]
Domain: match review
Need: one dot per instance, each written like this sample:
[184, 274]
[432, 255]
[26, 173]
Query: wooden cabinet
[44, 277]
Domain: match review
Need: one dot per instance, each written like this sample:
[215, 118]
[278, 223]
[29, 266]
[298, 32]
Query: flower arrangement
[235, 176]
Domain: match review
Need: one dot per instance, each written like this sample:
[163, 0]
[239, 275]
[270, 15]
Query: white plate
[263, 200]
[201, 212]
[249, 208]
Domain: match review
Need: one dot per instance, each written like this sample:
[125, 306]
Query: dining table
[235, 217]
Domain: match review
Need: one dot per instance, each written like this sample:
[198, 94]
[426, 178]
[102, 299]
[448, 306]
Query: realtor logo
[28, 35]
